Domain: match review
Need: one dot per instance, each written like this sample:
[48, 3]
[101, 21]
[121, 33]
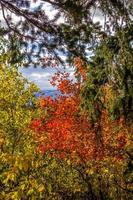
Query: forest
[78, 145]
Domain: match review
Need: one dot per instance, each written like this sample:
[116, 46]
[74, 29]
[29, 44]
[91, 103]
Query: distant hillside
[52, 93]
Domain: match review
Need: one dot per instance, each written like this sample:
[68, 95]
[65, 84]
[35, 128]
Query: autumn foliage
[49, 147]
[65, 131]
[99, 150]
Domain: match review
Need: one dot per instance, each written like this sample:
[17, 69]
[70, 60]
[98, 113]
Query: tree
[73, 37]
[98, 152]
[111, 65]
[26, 173]
[17, 98]
[87, 130]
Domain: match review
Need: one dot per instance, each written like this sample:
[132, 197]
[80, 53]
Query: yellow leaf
[68, 162]
[89, 171]
[41, 188]
[25, 166]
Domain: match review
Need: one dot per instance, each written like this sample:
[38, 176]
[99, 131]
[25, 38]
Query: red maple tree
[64, 130]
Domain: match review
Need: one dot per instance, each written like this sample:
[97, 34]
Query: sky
[41, 76]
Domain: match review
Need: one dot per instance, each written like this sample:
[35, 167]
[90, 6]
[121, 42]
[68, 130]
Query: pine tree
[73, 37]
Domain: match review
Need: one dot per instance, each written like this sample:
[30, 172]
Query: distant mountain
[52, 93]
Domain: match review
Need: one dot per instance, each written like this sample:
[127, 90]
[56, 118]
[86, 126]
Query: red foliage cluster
[80, 67]
[65, 131]
[64, 84]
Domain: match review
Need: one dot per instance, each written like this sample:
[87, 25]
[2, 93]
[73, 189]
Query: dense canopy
[78, 145]
[74, 36]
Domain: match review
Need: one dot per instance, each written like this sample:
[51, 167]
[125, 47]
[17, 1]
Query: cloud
[41, 79]
[40, 75]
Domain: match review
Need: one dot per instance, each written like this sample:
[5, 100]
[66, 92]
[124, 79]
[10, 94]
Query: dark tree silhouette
[73, 37]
